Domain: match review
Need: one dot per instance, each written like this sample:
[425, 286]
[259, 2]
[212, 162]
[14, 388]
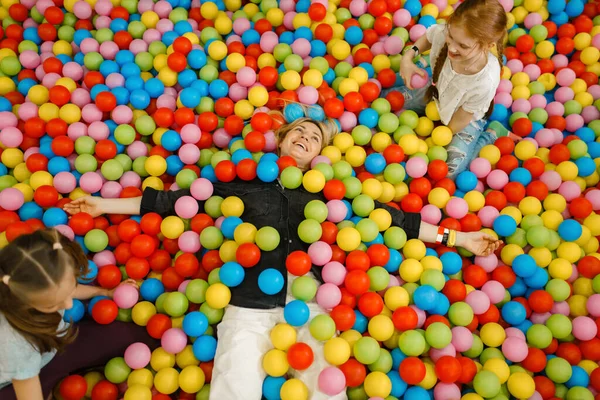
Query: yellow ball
[532, 5]
[217, 50]
[62, 47]
[218, 296]
[569, 251]
[378, 384]
[380, 141]
[521, 385]
[155, 165]
[172, 227]
[411, 270]
[91, 378]
[209, 10]
[380, 62]
[48, 111]
[186, 357]
[341, 50]
[167, 76]
[592, 221]
[431, 262]
[290, 80]
[37, 179]
[266, 60]
[333, 153]
[567, 170]
[396, 296]
[7, 85]
[492, 334]
[560, 268]
[441, 135]
[525, 150]
[372, 188]
[343, 141]
[149, 19]
[160, 359]
[431, 111]
[244, 233]
[283, 336]
[521, 92]
[438, 197]
[519, 13]
[313, 77]
[409, 143]
[313, 181]
[430, 378]
[490, 153]
[356, 156]
[275, 16]
[12, 157]
[191, 379]
[555, 202]
[424, 126]
[577, 304]
[382, 218]
[337, 351]
[530, 206]
[141, 376]
[547, 79]
[514, 212]
[68, 83]
[348, 238]
[166, 380]
[471, 396]
[520, 79]
[224, 25]
[584, 98]
[359, 74]
[583, 287]
[381, 328]
[235, 62]
[475, 200]
[348, 85]
[414, 248]
[541, 255]
[509, 252]
[26, 190]
[138, 392]
[232, 206]
[294, 389]
[243, 109]
[275, 363]
[579, 86]
[430, 9]
[301, 20]
[499, 367]
[582, 40]
[142, 312]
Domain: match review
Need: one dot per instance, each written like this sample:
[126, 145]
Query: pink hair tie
[57, 246]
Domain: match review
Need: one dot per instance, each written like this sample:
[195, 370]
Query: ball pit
[110, 97]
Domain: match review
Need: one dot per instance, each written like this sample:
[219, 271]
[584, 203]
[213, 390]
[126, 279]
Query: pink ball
[137, 355]
[515, 65]
[421, 316]
[130, 179]
[201, 189]
[334, 272]
[348, 121]
[538, 101]
[332, 381]
[189, 153]
[103, 7]
[174, 341]
[221, 138]
[564, 94]
[416, 167]
[594, 90]
[308, 95]
[122, 114]
[320, 253]
[538, 318]
[481, 167]
[89, 45]
[137, 149]
[561, 307]
[401, 17]
[551, 179]
[536, 396]
[515, 332]
[268, 41]
[186, 207]
[589, 114]
[91, 182]
[189, 242]
[436, 354]
[337, 211]
[126, 296]
[320, 160]
[163, 8]
[505, 86]
[66, 231]
[301, 47]
[584, 328]
[479, 301]
[183, 286]
[29, 59]
[241, 25]
[11, 199]
[555, 108]
[544, 137]
[81, 98]
[8, 119]
[431, 214]
[574, 122]
[593, 196]
[103, 258]
[271, 141]
[109, 50]
[532, 20]
[569, 190]
[462, 338]
[593, 305]
[111, 190]
[246, 76]
[507, 5]
[416, 32]
[560, 61]
[494, 290]
[515, 349]
[89, 112]
[238, 92]
[417, 81]
[457, 208]
[504, 99]
[98, 130]
[521, 105]
[11, 137]
[359, 7]
[565, 77]
[393, 45]
[497, 179]
[487, 215]
[488, 263]
[190, 133]
[328, 296]
[446, 391]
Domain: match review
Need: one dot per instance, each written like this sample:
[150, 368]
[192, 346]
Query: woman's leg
[465, 146]
[95, 346]
[243, 341]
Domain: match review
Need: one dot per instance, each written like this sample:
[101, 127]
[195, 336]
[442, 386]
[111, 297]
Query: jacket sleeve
[410, 222]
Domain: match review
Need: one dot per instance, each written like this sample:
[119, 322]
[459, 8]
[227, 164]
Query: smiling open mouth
[301, 145]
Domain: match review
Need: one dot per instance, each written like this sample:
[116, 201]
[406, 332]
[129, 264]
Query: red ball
[171, 279]
[187, 265]
[589, 267]
[369, 90]
[109, 276]
[354, 102]
[158, 324]
[412, 370]
[105, 390]
[300, 356]
[448, 369]
[475, 276]
[467, 371]
[525, 43]
[298, 263]
[334, 190]
[522, 127]
[150, 224]
[537, 189]
[225, 171]
[354, 371]
[106, 101]
[358, 260]
[370, 304]
[514, 192]
[505, 145]
[379, 255]
[73, 387]
[248, 255]
[357, 282]
[405, 318]
[143, 246]
[45, 196]
[496, 199]
[580, 207]
[137, 268]
[535, 166]
[105, 311]
[455, 290]
[334, 108]
[411, 203]
[246, 169]
[62, 146]
[437, 169]
[343, 316]
[535, 360]
[129, 230]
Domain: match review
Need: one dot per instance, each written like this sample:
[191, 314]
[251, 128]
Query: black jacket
[267, 204]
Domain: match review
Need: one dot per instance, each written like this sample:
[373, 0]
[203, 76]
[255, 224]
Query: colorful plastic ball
[296, 313]
[137, 355]
[570, 230]
[270, 281]
[505, 225]
[126, 296]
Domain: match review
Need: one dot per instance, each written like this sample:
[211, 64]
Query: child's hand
[88, 204]
[132, 282]
[407, 70]
[478, 243]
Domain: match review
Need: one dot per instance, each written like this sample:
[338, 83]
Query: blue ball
[585, 166]
[171, 140]
[270, 281]
[190, 97]
[520, 175]
[208, 172]
[195, 324]
[427, 21]
[360, 323]
[586, 134]
[317, 48]
[30, 210]
[204, 348]
[218, 89]
[271, 387]
[151, 288]
[316, 113]
[500, 113]
[368, 117]
[130, 69]
[196, 59]
[578, 377]
[91, 274]
[574, 8]
[231, 274]
[303, 32]
[398, 385]
[466, 181]
[292, 112]
[250, 36]
[122, 95]
[451, 263]
[513, 313]
[296, 313]
[397, 357]
[239, 155]
[139, 99]
[54, 216]
[556, 6]
[416, 393]
[441, 306]
[570, 230]
[538, 280]
[154, 87]
[519, 288]
[413, 7]
[267, 171]
[174, 165]
[354, 35]
[505, 225]
[375, 163]
[75, 313]
[524, 265]
[425, 297]
[394, 261]
[228, 226]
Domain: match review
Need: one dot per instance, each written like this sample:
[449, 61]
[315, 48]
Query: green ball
[267, 238]
[366, 350]
[437, 153]
[317, 210]
[157, 48]
[293, 62]
[538, 236]
[531, 220]
[579, 393]
[560, 391]
[310, 230]
[596, 284]
[320, 64]
[379, 278]
[516, 116]
[411, 343]
[560, 326]
[125, 161]
[538, 115]
[558, 289]
[322, 327]
[212, 206]
[539, 336]
[353, 187]
[577, 148]
[475, 349]
[136, 29]
[130, 5]
[104, 35]
[572, 107]
[185, 178]
[342, 69]
[213, 276]
[291, 177]
[394, 237]
[27, 45]
[96, 240]
[10, 65]
[438, 335]
[595, 126]
[515, 34]
[368, 230]
[145, 125]
[538, 33]
[325, 169]
[558, 370]
[218, 157]
[145, 61]
[489, 353]
[409, 118]
[211, 238]
[176, 304]
[342, 170]
[195, 291]
[116, 370]
[304, 288]
[366, 21]
[213, 316]
[124, 315]
[434, 278]
[178, 14]
[519, 238]
[388, 123]
[554, 241]
[486, 384]
[139, 166]
[66, 33]
[363, 205]
[112, 170]
[357, 393]
[361, 135]
[394, 173]
[282, 51]
[383, 107]
[384, 363]
[92, 60]
[536, 87]
[205, 157]
[7, 181]
[204, 393]
[85, 145]
[207, 73]
[460, 313]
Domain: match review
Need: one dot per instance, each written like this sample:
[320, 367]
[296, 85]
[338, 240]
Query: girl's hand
[408, 69]
[132, 282]
[478, 243]
[88, 204]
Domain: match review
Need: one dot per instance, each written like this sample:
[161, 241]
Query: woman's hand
[478, 243]
[408, 69]
[131, 282]
[88, 204]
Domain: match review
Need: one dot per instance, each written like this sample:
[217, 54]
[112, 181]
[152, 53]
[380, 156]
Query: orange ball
[300, 356]
[448, 369]
[412, 370]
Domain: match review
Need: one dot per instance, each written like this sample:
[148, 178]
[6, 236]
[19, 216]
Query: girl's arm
[28, 389]
[460, 120]
[422, 44]
[84, 292]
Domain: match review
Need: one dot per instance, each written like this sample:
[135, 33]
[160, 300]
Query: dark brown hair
[32, 263]
[485, 21]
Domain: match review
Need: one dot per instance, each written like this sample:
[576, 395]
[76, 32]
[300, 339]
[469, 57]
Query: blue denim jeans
[465, 145]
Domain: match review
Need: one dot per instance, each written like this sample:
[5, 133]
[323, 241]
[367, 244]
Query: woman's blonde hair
[327, 127]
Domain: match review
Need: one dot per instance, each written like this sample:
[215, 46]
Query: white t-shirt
[473, 93]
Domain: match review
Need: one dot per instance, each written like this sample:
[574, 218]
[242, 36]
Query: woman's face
[303, 143]
[461, 46]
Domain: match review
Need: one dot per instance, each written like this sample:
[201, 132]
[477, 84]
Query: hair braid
[432, 91]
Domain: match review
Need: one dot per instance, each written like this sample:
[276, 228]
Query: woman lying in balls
[251, 314]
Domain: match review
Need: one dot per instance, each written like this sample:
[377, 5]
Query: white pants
[244, 340]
